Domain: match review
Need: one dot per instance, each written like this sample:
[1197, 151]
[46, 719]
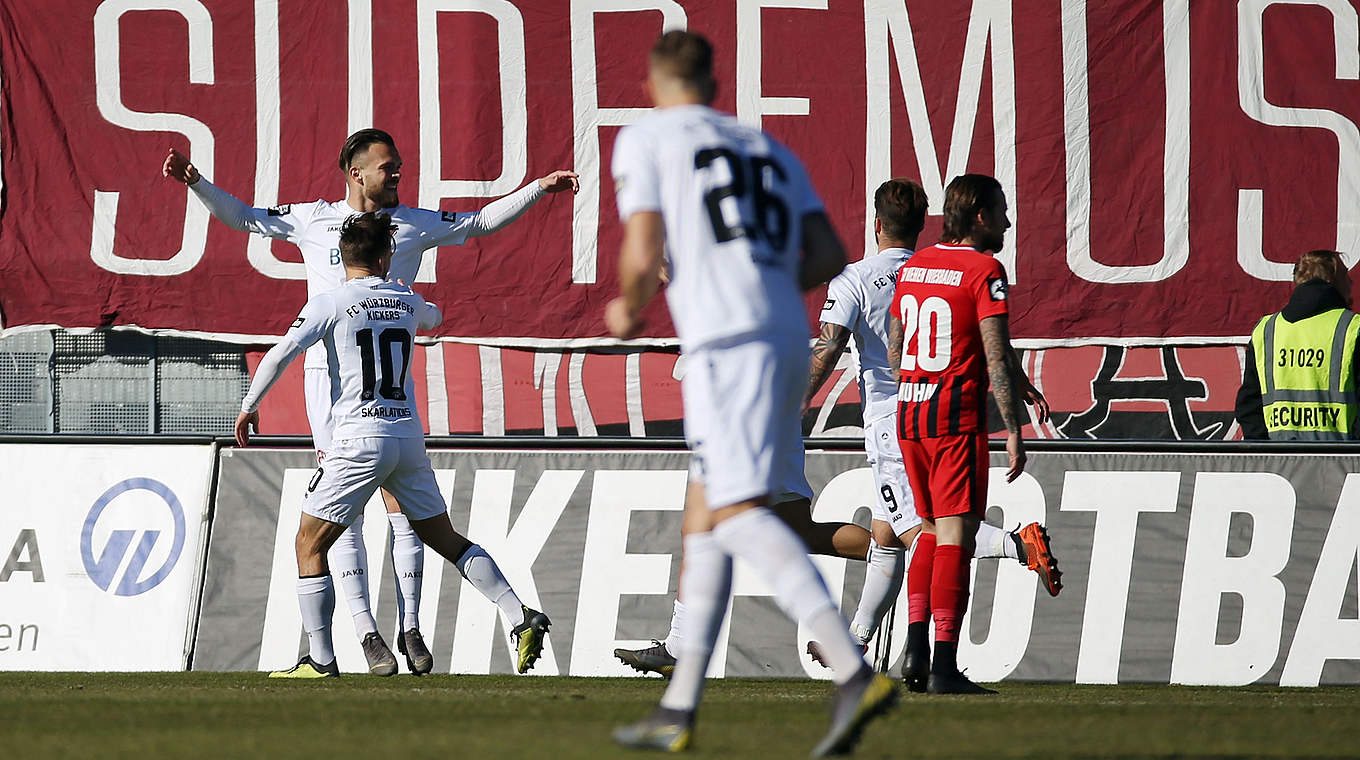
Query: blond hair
[1319, 265]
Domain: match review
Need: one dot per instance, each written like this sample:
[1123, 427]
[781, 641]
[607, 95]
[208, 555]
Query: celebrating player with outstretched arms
[373, 170]
[369, 325]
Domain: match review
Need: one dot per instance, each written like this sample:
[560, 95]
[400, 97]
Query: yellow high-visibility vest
[1306, 374]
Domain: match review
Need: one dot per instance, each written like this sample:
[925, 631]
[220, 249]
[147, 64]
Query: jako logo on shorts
[104, 569]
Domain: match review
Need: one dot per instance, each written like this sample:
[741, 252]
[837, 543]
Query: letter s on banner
[1251, 95]
[108, 95]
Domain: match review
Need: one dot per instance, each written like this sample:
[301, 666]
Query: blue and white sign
[105, 546]
[104, 569]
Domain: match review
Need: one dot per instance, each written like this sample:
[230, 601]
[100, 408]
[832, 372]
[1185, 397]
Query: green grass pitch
[145, 715]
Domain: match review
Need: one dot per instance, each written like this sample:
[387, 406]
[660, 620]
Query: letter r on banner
[589, 117]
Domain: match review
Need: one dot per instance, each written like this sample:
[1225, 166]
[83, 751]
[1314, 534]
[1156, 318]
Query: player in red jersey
[949, 333]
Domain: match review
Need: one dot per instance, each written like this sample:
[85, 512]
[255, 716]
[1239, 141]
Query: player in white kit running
[367, 326]
[733, 208]
[858, 304]
[372, 168]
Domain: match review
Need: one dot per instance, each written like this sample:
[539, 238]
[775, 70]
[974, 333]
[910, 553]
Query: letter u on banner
[1175, 161]
[109, 98]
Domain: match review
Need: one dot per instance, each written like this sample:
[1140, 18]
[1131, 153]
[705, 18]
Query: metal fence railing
[118, 382]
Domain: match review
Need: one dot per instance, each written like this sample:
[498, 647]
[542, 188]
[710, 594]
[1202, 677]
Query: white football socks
[993, 542]
[761, 539]
[408, 560]
[706, 583]
[882, 583]
[316, 599]
[348, 559]
[676, 636]
[481, 571]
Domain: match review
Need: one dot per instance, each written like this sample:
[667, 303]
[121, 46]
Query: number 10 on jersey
[931, 323]
[393, 386]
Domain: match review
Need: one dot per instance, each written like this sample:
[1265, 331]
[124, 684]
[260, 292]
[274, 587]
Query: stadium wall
[1196, 564]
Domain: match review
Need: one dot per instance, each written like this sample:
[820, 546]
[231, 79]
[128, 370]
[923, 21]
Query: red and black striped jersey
[943, 294]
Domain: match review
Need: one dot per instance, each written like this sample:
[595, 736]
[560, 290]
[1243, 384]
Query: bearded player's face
[991, 233]
[379, 168]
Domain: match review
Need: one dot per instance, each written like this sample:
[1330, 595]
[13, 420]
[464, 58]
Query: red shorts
[948, 474]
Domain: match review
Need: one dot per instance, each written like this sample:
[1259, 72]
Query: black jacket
[1308, 300]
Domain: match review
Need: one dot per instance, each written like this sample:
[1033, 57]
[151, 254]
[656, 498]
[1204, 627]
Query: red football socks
[949, 591]
[919, 579]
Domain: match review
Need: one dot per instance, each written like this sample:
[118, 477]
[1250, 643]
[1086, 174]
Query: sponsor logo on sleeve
[280, 210]
[830, 302]
[997, 287]
[449, 216]
[296, 323]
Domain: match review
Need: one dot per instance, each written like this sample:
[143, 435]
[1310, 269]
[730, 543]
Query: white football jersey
[315, 229]
[860, 299]
[732, 199]
[367, 326]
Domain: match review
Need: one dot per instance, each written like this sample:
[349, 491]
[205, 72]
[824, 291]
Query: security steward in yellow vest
[1300, 378]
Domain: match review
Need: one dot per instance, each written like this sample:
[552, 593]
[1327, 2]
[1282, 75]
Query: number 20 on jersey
[928, 327]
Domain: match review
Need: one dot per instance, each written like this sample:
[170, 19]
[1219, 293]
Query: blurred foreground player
[734, 208]
[369, 325]
[949, 333]
[372, 168]
[858, 303]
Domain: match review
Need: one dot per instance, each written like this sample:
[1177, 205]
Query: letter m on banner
[989, 27]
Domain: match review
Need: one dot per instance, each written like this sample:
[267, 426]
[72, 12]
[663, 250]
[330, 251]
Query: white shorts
[317, 390]
[742, 421]
[894, 504]
[353, 469]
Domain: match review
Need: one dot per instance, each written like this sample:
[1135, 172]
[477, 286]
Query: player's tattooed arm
[896, 337]
[825, 353]
[1008, 382]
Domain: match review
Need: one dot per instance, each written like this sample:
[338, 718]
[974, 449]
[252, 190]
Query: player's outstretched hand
[1015, 454]
[244, 422]
[559, 181]
[1036, 399]
[622, 321]
[178, 168]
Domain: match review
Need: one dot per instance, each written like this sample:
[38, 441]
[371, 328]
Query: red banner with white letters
[1164, 161]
